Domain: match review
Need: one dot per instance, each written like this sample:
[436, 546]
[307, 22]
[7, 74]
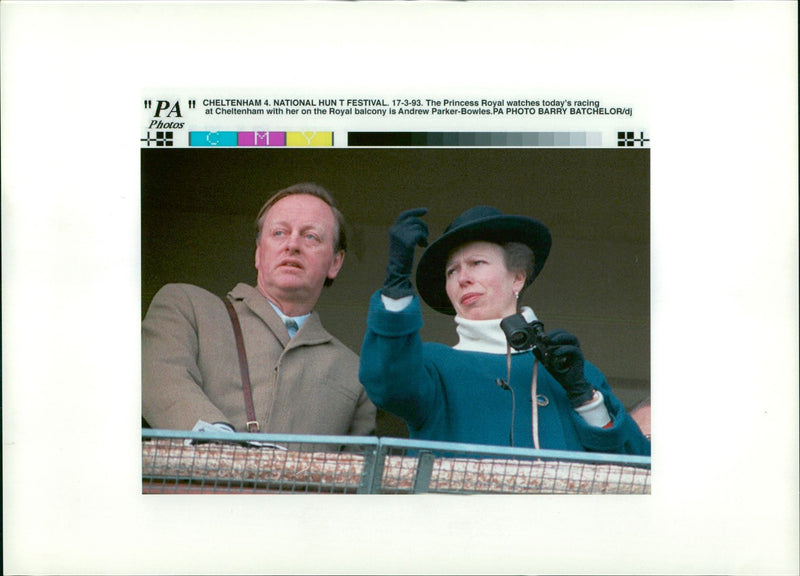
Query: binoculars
[522, 334]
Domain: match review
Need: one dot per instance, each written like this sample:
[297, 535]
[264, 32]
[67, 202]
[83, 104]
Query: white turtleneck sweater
[481, 336]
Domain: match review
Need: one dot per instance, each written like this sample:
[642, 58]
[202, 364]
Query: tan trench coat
[190, 370]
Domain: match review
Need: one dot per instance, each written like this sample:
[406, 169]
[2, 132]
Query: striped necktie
[291, 326]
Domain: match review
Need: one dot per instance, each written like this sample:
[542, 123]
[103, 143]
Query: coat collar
[312, 331]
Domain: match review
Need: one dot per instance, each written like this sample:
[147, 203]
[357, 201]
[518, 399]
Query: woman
[481, 390]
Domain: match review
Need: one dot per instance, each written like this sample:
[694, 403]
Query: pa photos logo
[166, 117]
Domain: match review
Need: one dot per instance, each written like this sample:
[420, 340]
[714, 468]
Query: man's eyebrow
[302, 227]
[313, 226]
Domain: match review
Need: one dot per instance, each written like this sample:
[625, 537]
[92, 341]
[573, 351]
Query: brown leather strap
[252, 423]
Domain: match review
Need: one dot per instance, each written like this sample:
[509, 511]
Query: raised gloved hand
[407, 232]
[565, 363]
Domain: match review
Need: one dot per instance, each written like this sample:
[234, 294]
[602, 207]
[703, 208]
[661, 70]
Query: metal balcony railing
[182, 462]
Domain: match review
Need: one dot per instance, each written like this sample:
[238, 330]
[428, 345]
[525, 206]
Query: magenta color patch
[261, 138]
[273, 138]
[246, 139]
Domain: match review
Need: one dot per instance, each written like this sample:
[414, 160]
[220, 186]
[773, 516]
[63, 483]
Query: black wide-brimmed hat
[481, 223]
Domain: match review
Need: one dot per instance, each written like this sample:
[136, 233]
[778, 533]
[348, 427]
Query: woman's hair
[519, 257]
[311, 189]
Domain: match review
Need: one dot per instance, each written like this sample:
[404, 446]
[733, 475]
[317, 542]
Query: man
[303, 380]
[641, 415]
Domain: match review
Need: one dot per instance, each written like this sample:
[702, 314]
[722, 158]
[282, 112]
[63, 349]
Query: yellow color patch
[309, 138]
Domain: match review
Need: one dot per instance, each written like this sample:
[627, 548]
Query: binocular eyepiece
[522, 334]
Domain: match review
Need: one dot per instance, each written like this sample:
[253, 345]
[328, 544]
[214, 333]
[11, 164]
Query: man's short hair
[311, 189]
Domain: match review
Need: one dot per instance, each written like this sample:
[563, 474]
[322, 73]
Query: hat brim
[430, 276]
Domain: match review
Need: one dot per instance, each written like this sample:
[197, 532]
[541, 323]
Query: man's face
[295, 253]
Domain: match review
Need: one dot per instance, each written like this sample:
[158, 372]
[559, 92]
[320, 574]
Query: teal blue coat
[451, 395]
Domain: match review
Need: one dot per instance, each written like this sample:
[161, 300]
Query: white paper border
[724, 273]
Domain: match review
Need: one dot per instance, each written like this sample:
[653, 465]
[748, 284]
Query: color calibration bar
[255, 138]
[474, 139]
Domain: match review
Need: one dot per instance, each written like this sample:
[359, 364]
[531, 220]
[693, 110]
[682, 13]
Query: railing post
[372, 474]
[422, 481]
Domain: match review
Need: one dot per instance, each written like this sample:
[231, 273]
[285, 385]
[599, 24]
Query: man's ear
[336, 264]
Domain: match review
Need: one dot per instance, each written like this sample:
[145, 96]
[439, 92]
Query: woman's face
[479, 285]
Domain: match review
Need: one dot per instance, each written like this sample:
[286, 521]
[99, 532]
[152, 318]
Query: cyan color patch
[213, 138]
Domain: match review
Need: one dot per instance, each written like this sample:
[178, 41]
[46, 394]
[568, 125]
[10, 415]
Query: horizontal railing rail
[188, 462]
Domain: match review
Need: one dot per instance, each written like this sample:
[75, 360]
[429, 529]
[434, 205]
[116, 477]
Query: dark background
[199, 206]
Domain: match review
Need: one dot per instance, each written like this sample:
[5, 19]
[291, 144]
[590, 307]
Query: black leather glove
[407, 232]
[565, 363]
